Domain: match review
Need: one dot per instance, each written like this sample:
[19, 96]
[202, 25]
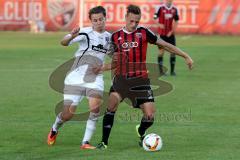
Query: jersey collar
[124, 30]
[168, 7]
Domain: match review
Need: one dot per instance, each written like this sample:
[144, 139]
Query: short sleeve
[176, 16]
[111, 47]
[151, 37]
[114, 43]
[77, 39]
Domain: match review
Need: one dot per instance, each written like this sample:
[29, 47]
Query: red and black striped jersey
[131, 49]
[165, 16]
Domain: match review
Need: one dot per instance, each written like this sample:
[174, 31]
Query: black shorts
[171, 39]
[137, 89]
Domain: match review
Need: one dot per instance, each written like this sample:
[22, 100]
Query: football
[152, 142]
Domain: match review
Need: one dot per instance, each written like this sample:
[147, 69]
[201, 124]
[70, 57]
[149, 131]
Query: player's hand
[189, 62]
[155, 16]
[75, 31]
[161, 26]
[169, 34]
[97, 69]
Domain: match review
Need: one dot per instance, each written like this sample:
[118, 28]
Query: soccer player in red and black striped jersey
[131, 76]
[167, 16]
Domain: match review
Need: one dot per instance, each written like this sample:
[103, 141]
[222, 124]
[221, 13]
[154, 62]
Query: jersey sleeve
[77, 39]
[111, 47]
[157, 14]
[176, 16]
[114, 43]
[151, 37]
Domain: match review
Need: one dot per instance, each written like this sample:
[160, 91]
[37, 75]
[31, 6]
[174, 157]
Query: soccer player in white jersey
[85, 77]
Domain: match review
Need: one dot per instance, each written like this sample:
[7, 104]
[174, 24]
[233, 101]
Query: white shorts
[78, 84]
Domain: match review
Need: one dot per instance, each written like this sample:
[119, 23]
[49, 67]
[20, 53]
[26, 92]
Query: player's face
[169, 1]
[132, 21]
[98, 22]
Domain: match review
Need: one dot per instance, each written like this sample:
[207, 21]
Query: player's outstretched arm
[102, 68]
[173, 49]
[66, 39]
[106, 66]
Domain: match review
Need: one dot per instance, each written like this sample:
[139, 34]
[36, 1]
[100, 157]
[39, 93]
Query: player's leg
[160, 57]
[148, 110]
[145, 101]
[108, 119]
[172, 41]
[160, 61]
[69, 108]
[95, 101]
[172, 64]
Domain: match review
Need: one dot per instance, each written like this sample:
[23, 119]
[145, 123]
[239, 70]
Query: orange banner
[196, 16]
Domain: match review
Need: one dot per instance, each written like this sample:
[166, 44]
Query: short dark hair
[133, 9]
[96, 10]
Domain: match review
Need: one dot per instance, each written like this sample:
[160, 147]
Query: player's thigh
[70, 103]
[148, 109]
[113, 101]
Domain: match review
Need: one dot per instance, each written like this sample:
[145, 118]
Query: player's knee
[113, 102]
[150, 115]
[66, 116]
[161, 52]
[112, 106]
[95, 109]
[173, 55]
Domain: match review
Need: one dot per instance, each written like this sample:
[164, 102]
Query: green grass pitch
[198, 120]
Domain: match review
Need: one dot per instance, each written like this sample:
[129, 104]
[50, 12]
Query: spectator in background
[167, 16]
[36, 26]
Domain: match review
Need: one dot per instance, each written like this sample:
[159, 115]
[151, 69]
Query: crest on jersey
[139, 35]
[62, 12]
[107, 39]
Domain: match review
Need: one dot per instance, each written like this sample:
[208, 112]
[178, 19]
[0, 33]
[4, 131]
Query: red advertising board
[196, 16]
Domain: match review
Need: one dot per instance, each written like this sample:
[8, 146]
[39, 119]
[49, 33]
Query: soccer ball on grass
[152, 142]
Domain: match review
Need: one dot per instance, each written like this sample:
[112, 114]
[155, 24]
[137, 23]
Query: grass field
[198, 120]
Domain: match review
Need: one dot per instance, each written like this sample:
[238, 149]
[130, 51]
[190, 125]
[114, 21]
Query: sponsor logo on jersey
[128, 45]
[62, 12]
[139, 35]
[168, 16]
[99, 48]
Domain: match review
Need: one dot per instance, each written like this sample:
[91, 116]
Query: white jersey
[97, 45]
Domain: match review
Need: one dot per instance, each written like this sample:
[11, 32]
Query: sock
[160, 63]
[58, 123]
[145, 124]
[107, 125]
[90, 127]
[172, 63]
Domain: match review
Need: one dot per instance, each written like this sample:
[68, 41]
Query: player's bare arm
[175, 25]
[102, 68]
[107, 66]
[174, 28]
[74, 33]
[172, 49]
